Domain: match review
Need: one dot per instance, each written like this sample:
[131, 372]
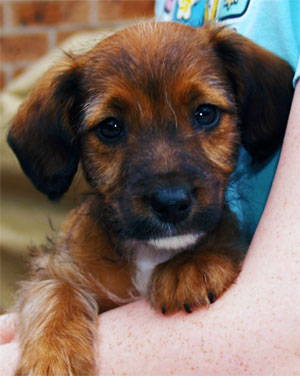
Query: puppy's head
[155, 113]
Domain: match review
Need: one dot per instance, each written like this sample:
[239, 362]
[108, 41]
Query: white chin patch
[176, 242]
[156, 251]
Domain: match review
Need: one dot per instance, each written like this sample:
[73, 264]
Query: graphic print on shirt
[169, 4]
[185, 9]
[196, 12]
[190, 12]
[232, 9]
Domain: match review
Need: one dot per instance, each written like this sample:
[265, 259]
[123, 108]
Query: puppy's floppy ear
[262, 83]
[43, 133]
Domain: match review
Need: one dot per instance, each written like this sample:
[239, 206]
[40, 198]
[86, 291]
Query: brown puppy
[155, 115]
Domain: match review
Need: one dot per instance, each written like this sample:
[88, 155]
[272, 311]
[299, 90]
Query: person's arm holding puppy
[252, 328]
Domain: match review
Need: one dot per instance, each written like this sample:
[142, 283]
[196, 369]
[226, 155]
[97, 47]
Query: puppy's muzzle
[171, 204]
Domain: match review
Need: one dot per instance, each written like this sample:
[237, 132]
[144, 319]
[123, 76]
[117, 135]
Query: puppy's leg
[57, 330]
[197, 278]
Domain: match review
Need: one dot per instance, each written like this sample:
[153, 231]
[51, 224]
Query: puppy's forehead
[152, 69]
[150, 55]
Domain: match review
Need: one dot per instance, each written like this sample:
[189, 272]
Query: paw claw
[187, 308]
[186, 283]
[211, 297]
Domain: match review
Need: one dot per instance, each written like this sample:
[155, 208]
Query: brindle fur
[152, 77]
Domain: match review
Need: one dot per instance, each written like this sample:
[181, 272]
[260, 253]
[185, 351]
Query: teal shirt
[275, 25]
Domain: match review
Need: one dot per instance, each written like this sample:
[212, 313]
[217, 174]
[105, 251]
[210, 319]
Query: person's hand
[9, 348]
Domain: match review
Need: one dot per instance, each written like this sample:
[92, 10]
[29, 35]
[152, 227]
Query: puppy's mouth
[174, 243]
[161, 235]
[173, 220]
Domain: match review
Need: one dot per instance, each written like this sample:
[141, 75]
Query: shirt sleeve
[297, 74]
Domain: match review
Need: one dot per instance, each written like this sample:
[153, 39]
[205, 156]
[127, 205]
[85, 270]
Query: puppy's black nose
[171, 204]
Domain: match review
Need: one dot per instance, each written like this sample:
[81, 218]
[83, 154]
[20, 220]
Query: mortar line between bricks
[41, 29]
[7, 21]
[52, 36]
[93, 13]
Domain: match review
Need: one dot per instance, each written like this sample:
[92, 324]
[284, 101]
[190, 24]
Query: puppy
[155, 115]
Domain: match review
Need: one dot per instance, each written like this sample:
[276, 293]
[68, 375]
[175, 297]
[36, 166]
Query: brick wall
[29, 29]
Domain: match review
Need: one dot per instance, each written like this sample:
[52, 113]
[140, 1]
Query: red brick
[1, 15]
[2, 79]
[23, 47]
[18, 71]
[75, 12]
[50, 12]
[63, 35]
[125, 9]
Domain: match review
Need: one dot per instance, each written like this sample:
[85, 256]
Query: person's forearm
[251, 330]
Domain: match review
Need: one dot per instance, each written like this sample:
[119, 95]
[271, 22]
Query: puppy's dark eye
[206, 116]
[110, 130]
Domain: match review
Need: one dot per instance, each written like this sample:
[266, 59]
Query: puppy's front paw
[189, 281]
